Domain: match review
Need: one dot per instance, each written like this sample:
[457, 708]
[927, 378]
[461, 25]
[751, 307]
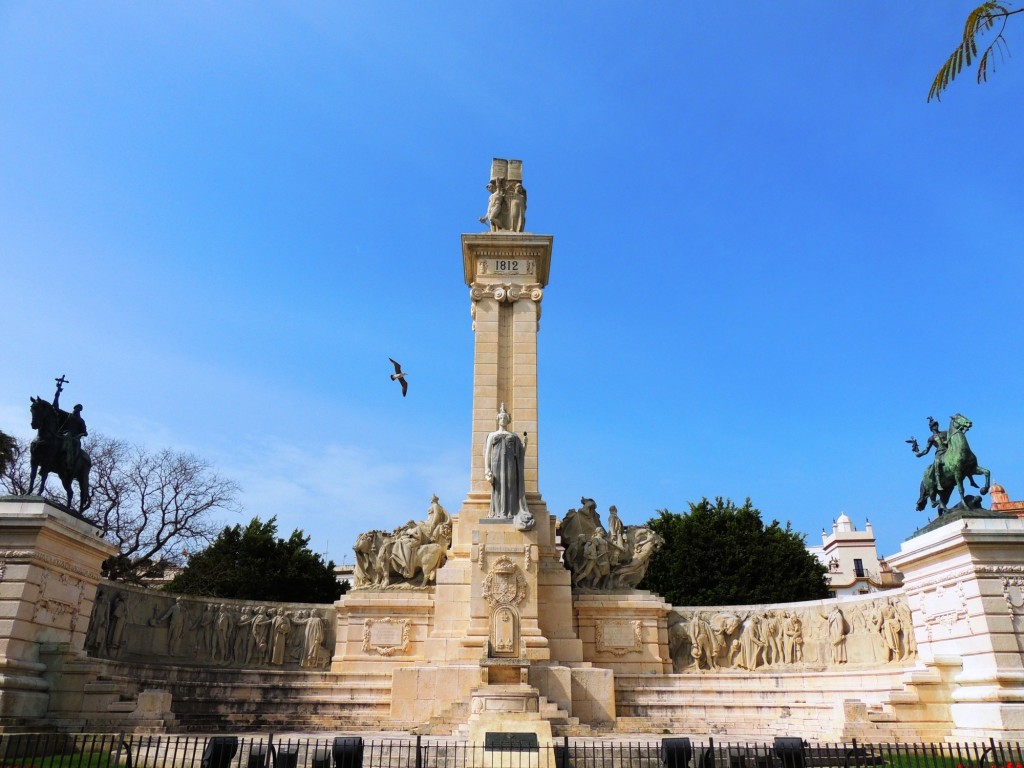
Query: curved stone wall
[150, 626]
[869, 630]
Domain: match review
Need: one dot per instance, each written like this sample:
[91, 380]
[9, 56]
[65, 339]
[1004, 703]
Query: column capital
[506, 257]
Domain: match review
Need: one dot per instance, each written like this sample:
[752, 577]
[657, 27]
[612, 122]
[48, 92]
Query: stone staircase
[894, 704]
[453, 721]
[236, 700]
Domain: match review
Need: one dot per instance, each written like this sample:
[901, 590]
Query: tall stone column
[506, 274]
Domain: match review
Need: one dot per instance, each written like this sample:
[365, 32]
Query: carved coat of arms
[504, 583]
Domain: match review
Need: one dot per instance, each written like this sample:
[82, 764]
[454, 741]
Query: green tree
[253, 563]
[721, 554]
[985, 18]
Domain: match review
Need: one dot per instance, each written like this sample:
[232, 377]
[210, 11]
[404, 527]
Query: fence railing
[135, 751]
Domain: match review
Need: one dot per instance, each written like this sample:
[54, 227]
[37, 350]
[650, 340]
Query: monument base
[513, 712]
[963, 582]
[50, 565]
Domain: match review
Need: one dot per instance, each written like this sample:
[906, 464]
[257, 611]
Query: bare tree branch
[151, 506]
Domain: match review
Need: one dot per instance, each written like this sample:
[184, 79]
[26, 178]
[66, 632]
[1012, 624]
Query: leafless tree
[152, 506]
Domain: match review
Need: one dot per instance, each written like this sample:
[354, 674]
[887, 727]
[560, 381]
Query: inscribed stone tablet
[619, 637]
[386, 634]
[512, 741]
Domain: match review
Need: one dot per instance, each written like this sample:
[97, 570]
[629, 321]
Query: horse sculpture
[48, 454]
[958, 464]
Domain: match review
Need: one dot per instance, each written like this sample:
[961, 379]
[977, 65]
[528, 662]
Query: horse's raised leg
[988, 476]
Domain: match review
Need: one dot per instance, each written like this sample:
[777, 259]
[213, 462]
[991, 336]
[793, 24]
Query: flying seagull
[399, 376]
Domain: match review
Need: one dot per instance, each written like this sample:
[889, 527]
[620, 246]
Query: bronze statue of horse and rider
[954, 463]
[57, 448]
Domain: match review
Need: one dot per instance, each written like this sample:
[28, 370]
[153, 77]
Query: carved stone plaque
[506, 266]
[512, 741]
[619, 637]
[385, 637]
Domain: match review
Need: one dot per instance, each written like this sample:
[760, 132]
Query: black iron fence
[135, 751]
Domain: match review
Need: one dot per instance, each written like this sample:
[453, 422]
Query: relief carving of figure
[280, 626]
[99, 627]
[260, 627]
[906, 629]
[175, 618]
[793, 639]
[702, 642]
[118, 620]
[204, 628]
[887, 624]
[837, 631]
[223, 634]
[505, 470]
[245, 643]
[773, 638]
[751, 643]
[313, 638]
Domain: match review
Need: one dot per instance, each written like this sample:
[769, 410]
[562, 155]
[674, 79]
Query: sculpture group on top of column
[506, 206]
[139, 624]
[599, 558]
[868, 632]
[407, 557]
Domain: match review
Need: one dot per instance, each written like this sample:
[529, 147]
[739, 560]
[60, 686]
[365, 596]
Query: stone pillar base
[49, 566]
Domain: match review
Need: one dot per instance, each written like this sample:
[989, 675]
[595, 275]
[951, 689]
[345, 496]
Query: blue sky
[772, 259]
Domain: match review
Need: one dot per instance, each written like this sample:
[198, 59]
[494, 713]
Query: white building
[854, 567]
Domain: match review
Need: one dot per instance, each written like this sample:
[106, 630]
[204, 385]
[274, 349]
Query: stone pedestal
[965, 585]
[508, 709]
[49, 567]
[625, 631]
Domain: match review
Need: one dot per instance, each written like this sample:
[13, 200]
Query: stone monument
[495, 643]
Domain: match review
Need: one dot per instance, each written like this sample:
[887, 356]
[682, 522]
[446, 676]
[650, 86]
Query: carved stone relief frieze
[753, 639]
[154, 627]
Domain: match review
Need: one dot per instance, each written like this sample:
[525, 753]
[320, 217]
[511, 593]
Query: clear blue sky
[773, 260]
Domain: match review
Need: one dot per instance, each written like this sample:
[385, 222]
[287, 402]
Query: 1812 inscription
[506, 266]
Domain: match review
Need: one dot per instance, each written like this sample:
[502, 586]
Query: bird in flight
[399, 376]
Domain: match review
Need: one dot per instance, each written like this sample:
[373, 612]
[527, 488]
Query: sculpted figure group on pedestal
[879, 630]
[408, 556]
[196, 632]
[599, 558]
